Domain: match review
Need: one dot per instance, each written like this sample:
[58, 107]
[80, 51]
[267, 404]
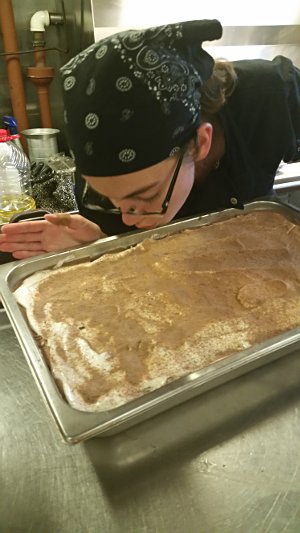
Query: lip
[146, 227]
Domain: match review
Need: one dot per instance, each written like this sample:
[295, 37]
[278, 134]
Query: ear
[204, 135]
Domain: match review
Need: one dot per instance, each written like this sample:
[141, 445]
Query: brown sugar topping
[129, 322]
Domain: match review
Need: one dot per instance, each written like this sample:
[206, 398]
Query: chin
[150, 226]
[146, 225]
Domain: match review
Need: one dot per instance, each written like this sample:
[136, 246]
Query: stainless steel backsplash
[89, 20]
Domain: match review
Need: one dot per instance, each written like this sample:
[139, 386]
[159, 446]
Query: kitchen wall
[255, 29]
[70, 37]
[251, 29]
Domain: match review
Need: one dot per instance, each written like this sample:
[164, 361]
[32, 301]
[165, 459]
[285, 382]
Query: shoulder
[265, 75]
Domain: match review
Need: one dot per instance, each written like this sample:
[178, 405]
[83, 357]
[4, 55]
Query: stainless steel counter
[227, 461]
[287, 178]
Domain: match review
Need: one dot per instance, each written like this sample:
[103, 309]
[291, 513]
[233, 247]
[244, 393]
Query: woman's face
[144, 191]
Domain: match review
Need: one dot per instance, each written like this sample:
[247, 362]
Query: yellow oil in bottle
[12, 204]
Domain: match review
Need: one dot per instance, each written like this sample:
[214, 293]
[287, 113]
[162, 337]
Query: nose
[131, 220]
[126, 206]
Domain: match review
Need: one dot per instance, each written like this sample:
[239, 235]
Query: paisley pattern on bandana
[77, 60]
[101, 51]
[69, 83]
[133, 98]
[124, 84]
[127, 155]
[91, 121]
[165, 76]
[91, 86]
[89, 148]
[126, 114]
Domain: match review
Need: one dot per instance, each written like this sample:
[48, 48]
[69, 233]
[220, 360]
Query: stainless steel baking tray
[76, 426]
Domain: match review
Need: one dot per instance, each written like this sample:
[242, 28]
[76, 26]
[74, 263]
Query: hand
[56, 232]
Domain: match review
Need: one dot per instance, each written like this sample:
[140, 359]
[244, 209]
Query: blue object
[10, 124]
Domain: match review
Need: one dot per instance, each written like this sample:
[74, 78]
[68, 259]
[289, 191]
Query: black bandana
[133, 99]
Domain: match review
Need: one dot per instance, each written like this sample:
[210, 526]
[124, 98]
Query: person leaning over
[160, 131]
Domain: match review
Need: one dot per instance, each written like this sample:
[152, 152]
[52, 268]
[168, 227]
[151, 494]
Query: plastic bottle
[15, 179]
[10, 124]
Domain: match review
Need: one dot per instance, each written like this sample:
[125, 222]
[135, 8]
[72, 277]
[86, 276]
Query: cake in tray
[129, 322]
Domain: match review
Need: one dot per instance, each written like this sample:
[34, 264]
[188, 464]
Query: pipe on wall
[42, 75]
[14, 70]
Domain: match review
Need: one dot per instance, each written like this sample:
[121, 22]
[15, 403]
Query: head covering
[133, 98]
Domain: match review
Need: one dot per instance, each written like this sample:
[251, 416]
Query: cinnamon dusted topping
[130, 322]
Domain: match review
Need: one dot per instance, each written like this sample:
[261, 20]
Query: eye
[153, 193]
[149, 198]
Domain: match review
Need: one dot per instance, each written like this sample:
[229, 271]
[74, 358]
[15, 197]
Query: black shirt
[261, 124]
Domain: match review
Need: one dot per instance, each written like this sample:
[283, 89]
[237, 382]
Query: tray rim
[76, 426]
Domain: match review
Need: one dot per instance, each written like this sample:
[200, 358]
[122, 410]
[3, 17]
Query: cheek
[182, 190]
